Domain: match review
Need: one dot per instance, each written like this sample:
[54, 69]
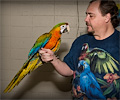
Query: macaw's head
[60, 28]
[83, 66]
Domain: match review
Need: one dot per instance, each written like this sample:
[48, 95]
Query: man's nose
[86, 19]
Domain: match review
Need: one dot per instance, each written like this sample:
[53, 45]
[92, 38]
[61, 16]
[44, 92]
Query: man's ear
[107, 17]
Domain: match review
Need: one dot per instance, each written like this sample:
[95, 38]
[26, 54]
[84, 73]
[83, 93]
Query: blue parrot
[88, 82]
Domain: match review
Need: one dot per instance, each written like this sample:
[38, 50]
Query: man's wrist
[55, 58]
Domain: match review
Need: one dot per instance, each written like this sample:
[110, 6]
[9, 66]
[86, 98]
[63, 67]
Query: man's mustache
[88, 24]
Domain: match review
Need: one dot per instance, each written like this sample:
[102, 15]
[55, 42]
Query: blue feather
[38, 47]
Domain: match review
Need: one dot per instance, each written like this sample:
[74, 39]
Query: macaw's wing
[40, 43]
[89, 86]
[101, 61]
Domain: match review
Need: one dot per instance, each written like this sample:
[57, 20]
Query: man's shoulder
[117, 31]
[82, 38]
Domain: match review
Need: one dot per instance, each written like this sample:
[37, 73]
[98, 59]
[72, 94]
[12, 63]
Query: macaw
[51, 40]
[100, 60]
[88, 82]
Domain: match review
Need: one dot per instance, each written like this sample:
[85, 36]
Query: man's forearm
[48, 56]
[61, 67]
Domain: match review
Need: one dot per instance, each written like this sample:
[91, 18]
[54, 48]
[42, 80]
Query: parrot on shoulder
[51, 40]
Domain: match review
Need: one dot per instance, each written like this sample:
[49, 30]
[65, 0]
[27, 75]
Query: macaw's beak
[68, 28]
[81, 68]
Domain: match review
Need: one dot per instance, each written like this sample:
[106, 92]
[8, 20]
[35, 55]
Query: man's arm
[48, 56]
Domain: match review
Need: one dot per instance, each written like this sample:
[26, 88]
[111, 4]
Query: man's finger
[42, 51]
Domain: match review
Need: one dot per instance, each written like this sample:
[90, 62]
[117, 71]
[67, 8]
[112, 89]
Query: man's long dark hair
[109, 6]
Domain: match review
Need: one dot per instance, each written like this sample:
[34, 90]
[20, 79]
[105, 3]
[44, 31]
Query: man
[102, 47]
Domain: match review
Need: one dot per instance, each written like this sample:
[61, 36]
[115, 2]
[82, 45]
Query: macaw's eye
[63, 26]
[81, 68]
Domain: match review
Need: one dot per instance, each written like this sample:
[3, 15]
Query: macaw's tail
[30, 65]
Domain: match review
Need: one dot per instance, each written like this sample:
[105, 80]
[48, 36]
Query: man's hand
[62, 68]
[47, 55]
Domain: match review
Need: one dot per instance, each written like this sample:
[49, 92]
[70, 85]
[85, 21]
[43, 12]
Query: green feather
[105, 68]
[110, 67]
[98, 67]
[114, 65]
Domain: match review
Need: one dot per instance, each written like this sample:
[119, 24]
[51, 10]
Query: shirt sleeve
[71, 59]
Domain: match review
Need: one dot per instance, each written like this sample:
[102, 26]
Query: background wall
[22, 22]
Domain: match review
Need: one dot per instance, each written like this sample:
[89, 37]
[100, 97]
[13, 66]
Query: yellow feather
[9, 86]
[105, 68]
[114, 65]
[30, 67]
[98, 67]
[113, 59]
[39, 64]
[110, 67]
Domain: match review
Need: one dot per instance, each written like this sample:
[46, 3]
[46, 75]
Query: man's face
[94, 19]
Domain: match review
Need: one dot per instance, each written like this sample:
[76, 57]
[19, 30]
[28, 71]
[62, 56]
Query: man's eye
[91, 16]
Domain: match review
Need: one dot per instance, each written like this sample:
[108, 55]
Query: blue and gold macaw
[88, 82]
[51, 40]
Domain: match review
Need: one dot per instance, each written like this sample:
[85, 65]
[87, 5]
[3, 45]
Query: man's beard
[91, 31]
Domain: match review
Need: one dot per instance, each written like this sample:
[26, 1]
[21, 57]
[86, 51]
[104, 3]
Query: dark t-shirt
[103, 57]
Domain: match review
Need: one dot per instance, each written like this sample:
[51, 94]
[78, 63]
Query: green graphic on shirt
[100, 60]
